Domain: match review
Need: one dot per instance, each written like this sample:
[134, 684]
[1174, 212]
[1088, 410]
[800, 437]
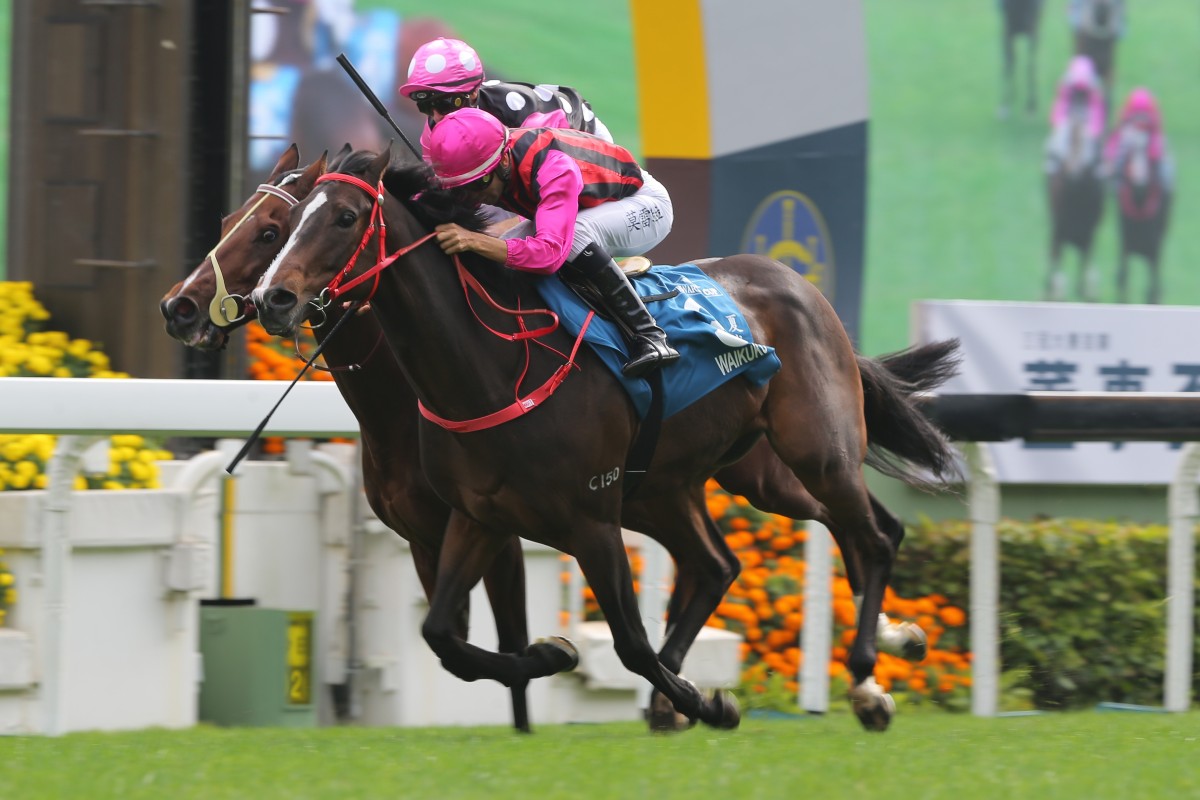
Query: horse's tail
[899, 436]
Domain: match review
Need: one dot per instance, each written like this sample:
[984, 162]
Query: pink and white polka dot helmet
[443, 65]
[465, 146]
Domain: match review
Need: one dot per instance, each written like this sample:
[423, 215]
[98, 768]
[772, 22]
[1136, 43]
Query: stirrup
[634, 265]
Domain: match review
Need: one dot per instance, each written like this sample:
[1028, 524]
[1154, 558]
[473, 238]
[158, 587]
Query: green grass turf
[928, 756]
[957, 204]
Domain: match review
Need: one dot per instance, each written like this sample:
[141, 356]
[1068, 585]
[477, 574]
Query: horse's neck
[368, 376]
[455, 365]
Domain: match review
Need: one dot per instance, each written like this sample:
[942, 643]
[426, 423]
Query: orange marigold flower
[953, 616]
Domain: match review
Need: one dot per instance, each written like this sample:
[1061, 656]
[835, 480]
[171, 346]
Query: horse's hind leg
[1031, 73]
[1153, 281]
[467, 552]
[768, 484]
[904, 639]
[825, 447]
[705, 569]
[1123, 274]
[505, 584]
[602, 560]
[1006, 80]
[1056, 284]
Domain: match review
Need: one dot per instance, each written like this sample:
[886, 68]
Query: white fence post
[816, 638]
[983, 498]
[1183, 508]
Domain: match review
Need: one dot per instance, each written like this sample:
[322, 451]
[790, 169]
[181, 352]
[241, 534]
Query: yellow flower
[10, 597]
[41, 482]
[80, 483]
[6, 579]
[19, 482]
[113, 485]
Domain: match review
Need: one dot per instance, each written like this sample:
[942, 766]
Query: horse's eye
[269, 235]
[346, 219]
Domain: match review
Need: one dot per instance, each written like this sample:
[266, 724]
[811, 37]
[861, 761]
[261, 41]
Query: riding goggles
[428, 102]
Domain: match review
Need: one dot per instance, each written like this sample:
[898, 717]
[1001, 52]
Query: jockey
[1140, 120]
[446, 74]
[1079, 94]
[585, 200]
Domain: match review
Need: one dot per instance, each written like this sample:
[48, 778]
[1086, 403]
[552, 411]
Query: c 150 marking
[605, 479]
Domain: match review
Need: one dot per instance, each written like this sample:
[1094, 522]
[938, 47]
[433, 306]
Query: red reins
[521, 405]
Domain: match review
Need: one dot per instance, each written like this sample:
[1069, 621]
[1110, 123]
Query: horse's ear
[381, 162]
[308, 178]
[339, 156]
[287, 162]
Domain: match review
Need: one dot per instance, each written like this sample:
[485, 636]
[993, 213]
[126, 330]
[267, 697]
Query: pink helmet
[443, 65]
[465, 146]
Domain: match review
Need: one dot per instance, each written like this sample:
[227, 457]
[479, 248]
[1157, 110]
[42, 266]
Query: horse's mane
[414, 185]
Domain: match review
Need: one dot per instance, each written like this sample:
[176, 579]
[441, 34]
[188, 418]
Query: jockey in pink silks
[1140, 120]
[584, 200]
[1079, 95]
[447, 74]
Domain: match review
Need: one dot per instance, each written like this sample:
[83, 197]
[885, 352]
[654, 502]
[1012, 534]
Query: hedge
[1082, 605]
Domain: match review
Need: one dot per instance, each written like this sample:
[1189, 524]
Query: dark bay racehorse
[1021, 18]
[1097, 28]
[533, 475]
[1075, 190]
[760, 476]
[1144, 206]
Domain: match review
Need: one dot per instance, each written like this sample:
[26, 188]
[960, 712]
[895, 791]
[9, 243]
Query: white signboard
[1070, 347]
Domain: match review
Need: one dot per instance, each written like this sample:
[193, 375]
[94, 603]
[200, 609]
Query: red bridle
[378, 226]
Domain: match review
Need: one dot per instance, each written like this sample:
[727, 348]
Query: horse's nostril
[180, 310]
[279, 299]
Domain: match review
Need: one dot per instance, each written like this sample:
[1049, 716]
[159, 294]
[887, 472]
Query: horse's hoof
[873, 706]
[556, 653]
[903, 639]
[729, 714]
[662, 717]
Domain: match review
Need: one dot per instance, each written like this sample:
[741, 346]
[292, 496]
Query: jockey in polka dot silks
[446, 75]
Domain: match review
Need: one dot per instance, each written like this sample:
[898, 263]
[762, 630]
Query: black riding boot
[648, 347]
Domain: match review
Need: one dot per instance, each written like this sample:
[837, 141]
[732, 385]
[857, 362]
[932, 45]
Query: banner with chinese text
[1070, 347]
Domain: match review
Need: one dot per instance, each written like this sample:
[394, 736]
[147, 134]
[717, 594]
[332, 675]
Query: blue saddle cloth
[702, 323]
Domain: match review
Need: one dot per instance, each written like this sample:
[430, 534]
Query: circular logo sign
[788, 227]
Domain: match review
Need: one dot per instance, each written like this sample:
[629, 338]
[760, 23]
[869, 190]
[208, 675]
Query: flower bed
[766, 606]
[271, 359]
[8, 589]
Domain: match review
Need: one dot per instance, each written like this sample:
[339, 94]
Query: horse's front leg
[705, 569]
[469, 549]
[505, 584]
[601, 556]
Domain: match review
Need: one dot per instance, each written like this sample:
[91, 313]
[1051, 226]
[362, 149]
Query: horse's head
[336, 235]
[329, 228]
[202, 309]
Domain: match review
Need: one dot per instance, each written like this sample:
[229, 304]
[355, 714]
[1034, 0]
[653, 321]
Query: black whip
[370, 95]
[258, 431]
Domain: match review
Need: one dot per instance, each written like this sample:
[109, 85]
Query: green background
[956, 200]
[956, 205]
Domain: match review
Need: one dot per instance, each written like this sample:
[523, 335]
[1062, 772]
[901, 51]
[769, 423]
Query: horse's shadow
[1020, 18]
